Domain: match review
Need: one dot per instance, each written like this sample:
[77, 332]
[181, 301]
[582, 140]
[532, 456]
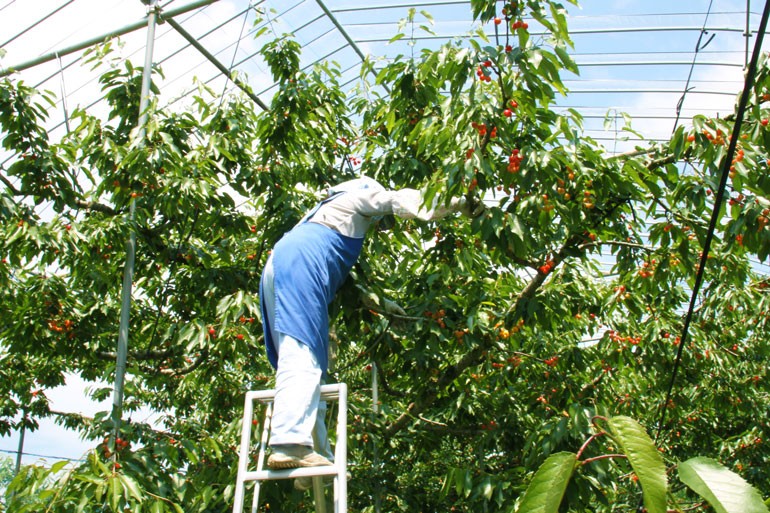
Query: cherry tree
[541, 360]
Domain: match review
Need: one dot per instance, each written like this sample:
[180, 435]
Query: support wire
[221, 67]
[99, 39]
[698, 48]
[38, 22]
[329, 14]
[63, 87]
[718, 200]
[235, 52]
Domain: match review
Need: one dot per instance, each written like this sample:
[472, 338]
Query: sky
[636, 58]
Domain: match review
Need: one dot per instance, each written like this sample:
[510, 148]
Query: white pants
[298, 413]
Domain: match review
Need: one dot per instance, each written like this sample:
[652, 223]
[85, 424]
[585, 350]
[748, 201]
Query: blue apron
[309, 265]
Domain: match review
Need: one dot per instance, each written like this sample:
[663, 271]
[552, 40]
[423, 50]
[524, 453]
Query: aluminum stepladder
[336, 391]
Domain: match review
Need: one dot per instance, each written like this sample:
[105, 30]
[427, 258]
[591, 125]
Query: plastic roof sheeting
[635, 56]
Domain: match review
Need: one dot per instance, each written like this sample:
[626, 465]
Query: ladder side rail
[262, 448]
[341, 452]
[243, 455]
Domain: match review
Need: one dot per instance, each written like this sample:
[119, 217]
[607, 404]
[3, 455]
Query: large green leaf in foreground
[644, 459]
[726, 491]
[545, 492]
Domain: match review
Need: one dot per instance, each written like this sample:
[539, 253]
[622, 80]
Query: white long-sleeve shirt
[353, 212]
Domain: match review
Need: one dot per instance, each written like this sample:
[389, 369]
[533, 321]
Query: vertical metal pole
[747, 34]
[21, 443]
[128, 272]
[375, 453]
[319, 498]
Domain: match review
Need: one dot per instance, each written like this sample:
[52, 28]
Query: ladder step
[263, 475]
[328, 392]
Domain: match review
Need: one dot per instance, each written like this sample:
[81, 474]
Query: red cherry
[487, 64]
[507, 113]
[764, 121]
[498, 21]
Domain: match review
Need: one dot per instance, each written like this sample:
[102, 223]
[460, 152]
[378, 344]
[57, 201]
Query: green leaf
[116, 491]
[645, 459]
[132, 487]
[567, 60]
[726, 491]
[545, 492]
[58, 466]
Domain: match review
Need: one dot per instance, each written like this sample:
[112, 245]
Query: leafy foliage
[6, 471]
[560, 304]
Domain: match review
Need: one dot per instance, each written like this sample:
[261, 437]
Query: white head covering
[356, 184]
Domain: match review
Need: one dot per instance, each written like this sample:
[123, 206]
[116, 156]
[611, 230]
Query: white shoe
[295, 456]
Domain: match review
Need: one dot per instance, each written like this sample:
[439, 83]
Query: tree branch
[385, 385]
[86, 205]
[97, 207]
[591, 244]
[420, 404]
[603, 457]
[10, 186]
[137, 355]
[175, 373]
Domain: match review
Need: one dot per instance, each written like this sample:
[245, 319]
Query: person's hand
[392, 307]
[380, 304]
